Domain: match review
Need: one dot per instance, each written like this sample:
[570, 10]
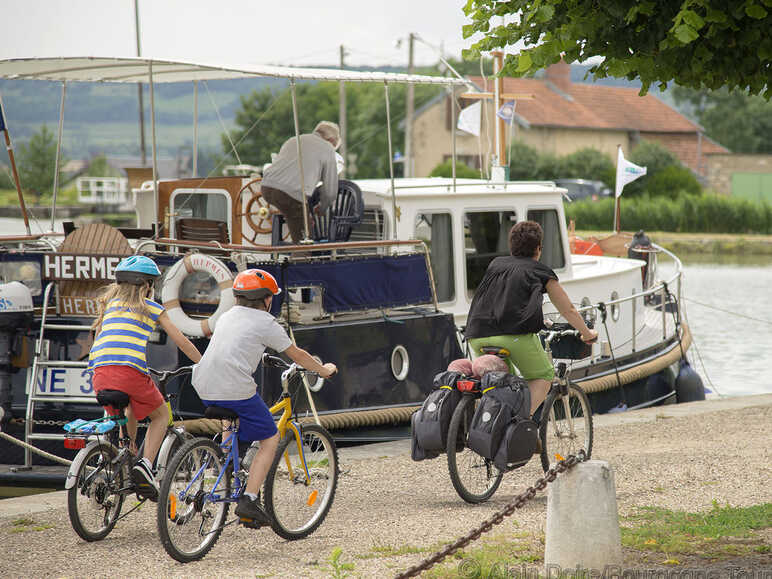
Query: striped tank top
[123, 338]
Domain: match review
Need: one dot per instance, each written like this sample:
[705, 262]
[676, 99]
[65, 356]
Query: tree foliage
[737, 120]
[36, 161]
[695, 43]
[270, 112]
[463, 171]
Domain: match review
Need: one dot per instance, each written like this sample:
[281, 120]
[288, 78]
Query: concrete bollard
[582, 520]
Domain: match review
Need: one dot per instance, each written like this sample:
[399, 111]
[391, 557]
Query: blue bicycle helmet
[136, 270]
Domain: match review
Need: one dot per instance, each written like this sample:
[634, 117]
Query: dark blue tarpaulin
[361, 283]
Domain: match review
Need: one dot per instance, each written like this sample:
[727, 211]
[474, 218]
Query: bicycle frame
[231, 448]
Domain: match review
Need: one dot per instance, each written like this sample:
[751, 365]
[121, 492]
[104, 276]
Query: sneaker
[144, 480]
[251, 512]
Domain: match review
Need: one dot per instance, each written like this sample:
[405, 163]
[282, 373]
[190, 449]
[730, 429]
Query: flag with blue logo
[506, 111]
[627, 172]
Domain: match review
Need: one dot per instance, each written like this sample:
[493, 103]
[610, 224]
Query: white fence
[103, 190]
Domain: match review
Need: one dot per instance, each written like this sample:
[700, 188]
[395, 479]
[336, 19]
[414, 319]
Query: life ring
[170, 293]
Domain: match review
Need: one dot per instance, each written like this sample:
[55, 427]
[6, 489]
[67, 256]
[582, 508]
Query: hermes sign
[61, 266]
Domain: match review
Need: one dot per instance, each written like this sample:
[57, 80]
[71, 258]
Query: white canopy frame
[154, 70]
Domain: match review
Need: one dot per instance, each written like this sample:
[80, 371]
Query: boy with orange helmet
[224, 375]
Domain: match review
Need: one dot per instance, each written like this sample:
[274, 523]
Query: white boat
[435, 235]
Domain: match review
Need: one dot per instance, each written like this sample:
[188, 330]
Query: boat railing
[661, 288]
[323, 251]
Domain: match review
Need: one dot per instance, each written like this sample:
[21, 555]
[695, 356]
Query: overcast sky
[292, 32]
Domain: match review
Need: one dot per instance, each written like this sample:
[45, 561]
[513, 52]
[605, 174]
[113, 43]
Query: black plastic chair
[336, 223]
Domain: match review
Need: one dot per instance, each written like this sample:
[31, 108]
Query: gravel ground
[678, 461]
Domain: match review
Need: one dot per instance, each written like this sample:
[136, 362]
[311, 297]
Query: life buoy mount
[170, 293]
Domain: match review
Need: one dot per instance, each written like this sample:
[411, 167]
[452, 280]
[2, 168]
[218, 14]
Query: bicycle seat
[220, 412]
[114, 398]
[495, 351]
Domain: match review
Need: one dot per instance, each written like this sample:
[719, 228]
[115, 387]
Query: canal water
[725, 305]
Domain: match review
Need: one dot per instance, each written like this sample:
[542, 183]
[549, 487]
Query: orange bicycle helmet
[255, 284]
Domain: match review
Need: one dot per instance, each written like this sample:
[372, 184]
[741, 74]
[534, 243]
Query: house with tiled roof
[561, 118]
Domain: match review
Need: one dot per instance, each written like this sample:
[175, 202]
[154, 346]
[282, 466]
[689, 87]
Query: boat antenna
[58, 155]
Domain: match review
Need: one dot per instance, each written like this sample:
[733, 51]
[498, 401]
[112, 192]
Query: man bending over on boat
[281, 180]
[506, 310]
[224, 375]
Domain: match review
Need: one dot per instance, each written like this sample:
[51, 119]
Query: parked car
[579, 189]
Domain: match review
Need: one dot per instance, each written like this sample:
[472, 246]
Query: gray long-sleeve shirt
[318, 165]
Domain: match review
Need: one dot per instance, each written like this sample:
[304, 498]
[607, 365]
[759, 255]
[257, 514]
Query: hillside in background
[104, 118]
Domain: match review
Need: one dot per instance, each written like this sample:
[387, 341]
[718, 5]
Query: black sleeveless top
[509, 298]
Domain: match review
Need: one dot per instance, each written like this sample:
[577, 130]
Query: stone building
[563, 117]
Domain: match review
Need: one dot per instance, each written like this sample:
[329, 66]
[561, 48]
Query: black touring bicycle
[484, 427]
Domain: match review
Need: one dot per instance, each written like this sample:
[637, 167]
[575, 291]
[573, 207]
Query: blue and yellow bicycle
[206, 476]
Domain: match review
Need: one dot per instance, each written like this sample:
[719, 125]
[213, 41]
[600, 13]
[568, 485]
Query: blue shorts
[255, 420]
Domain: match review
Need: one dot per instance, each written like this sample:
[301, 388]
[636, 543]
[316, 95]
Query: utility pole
[342, 114]
[139, 90]
[407, 165]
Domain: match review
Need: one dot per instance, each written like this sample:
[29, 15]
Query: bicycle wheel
[298, 501]
[566, 425]
[191, 510]
[474, 477]
[94, 503]
[175, 439]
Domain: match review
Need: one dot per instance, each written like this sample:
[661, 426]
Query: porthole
[588, 315]
[314, 385]
[615, 310]
[400, 362]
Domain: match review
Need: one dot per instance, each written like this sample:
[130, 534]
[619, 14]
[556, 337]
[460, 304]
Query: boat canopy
[137, 69]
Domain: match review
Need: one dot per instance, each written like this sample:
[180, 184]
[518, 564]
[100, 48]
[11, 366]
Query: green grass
[68, 196]
[724, 531]
[23, 525]
[492, 557]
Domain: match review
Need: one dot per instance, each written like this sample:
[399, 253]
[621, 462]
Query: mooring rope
[35, 449]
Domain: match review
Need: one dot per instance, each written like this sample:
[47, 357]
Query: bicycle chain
[497, 518]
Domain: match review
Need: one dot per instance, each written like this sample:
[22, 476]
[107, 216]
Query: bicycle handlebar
[165, 375]
[289, 369]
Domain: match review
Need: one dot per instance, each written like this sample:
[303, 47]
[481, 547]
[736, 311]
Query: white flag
[469, 119]
[626, 172]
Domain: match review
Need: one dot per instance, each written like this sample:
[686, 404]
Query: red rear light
[466, 385]
[74, 443]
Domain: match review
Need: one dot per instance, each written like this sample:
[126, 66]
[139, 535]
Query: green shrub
[686, 213]
[463, 171]
[672, 180]
[524, 163]
[588, 164]
[655, 158]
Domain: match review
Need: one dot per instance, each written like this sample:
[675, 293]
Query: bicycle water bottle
[249, 455]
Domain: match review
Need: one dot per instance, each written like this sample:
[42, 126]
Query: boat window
[201, 205]
[552, 246]
[486, 236]
[27, 272]
[435, 229]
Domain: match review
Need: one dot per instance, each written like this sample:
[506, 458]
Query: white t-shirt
[234, 352]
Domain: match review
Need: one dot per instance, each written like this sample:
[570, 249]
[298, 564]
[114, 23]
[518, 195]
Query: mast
[407, 165]
[342, 114]
[12, 160]
[58, 154]
[139, 90]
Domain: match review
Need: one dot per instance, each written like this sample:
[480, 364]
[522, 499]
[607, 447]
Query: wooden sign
[66, 267]
[78, 306]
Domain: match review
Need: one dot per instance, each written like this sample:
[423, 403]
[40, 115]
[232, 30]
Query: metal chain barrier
[497, 518]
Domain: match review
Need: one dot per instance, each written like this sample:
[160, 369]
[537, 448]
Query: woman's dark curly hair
[525, 238]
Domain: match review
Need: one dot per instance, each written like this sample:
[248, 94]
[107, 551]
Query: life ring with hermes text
[170, 293]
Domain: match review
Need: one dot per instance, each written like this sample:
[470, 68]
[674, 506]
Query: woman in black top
[507, 312]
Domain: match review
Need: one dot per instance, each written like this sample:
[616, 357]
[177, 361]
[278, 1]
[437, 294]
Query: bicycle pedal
[252, 523]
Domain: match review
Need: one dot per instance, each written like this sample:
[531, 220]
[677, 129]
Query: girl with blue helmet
[118, 357]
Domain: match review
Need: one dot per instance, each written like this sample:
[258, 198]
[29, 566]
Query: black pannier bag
[429, 425]
[501, 430]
